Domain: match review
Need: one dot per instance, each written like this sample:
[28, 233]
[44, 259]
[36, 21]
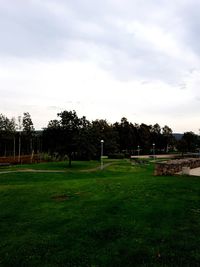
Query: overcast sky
[107, 59]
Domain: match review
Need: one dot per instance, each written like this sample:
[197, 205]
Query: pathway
[195, 171]
[54, 171]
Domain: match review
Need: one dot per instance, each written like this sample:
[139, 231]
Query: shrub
[116, 156]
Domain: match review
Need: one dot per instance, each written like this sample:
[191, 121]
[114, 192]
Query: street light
[102, 141]
[154, 151]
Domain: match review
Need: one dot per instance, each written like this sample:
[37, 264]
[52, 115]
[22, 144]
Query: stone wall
[174, 166]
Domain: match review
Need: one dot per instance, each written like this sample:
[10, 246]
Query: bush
[116, 156]
[46, 157]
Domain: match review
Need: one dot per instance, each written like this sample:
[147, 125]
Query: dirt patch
[97, 168]
[60, 198]
[68, 196]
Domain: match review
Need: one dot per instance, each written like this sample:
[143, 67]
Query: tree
[27, 123]
[191, 141]
[53, 124]
[51, 137]
[28, 130]
[69, 127]
[7, 135]
[156, 136]
[156, 129]
[102, 130]
[145, 137]
[181, 146]
[19, 126]
[12, 131]
[85, 145]
[167, 137]
[128, 135]
[61, 136]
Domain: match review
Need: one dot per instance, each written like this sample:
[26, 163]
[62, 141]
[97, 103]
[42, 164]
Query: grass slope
[121, 216]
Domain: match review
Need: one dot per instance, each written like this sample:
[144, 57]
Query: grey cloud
[128, 57]
[189, 14]
[53, 107]
[92, 30]
[183, 86]
[29, 31]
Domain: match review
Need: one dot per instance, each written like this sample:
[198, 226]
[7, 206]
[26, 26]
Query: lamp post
[102, 141]
[154, 151]
[138, 150]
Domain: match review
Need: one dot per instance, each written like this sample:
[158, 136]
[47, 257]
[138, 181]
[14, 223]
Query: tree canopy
[76, 137]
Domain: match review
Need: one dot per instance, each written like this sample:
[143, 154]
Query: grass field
[121, 216]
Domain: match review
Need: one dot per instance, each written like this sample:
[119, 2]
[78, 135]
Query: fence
[22, 160]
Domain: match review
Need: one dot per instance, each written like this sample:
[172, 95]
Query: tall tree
[19, 127]
[102, 130]
[191, 141]
[28, 130]
[156, 136]
[128, 135]
[12, 133]
[7, 135]
[85, 145]
[27, 123]
[70, 125]
[167, 137]
[145, 137]
[51, 137]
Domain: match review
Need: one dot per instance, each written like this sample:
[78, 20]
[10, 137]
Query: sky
[107, 59]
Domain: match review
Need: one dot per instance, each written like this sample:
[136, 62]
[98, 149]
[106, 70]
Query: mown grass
[121, 216]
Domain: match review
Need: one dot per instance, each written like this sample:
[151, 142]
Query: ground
[120, 216]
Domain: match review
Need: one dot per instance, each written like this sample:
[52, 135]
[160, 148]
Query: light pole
[154, 151]
[102, 141]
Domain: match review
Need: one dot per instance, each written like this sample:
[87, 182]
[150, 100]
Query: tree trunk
[31, 145]
[19, 155]
[5, 151]
[70, 159]
[14, 147]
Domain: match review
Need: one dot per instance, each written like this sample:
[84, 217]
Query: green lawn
[121, 216]
[63, 165]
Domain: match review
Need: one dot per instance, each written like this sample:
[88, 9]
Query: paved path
[195, 171]
[97, 168]
[55, 171]
[163, 156]
[31, 170]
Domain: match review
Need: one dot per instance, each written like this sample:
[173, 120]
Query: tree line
[78, 138]
[18, 137]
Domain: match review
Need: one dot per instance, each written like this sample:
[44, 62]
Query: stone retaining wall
[174, 166]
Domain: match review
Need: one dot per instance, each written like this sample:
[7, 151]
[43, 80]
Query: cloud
[133, 38]
[97, 56]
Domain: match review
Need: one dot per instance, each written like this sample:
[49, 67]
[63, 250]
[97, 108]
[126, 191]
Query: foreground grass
[121, 216]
